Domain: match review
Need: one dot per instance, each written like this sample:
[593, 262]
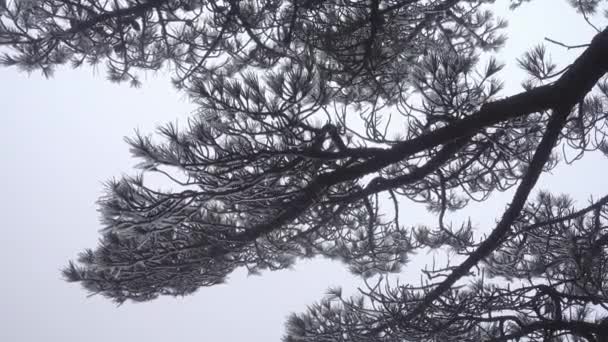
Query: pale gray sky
[61, 138]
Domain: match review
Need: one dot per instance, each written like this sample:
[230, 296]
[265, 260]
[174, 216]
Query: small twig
[580, 6]
[565, 45]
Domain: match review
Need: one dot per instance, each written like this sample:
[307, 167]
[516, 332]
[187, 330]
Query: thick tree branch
[586, 71]
[577, 328]
[541, 156]
[562, 95]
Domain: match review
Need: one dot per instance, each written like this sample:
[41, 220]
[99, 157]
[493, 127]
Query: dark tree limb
[560, 96]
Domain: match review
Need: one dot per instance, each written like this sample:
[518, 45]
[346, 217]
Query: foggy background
[61, 138]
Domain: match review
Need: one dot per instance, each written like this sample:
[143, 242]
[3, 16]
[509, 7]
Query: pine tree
[316, 120]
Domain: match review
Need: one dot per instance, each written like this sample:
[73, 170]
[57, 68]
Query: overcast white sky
[61, 138]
